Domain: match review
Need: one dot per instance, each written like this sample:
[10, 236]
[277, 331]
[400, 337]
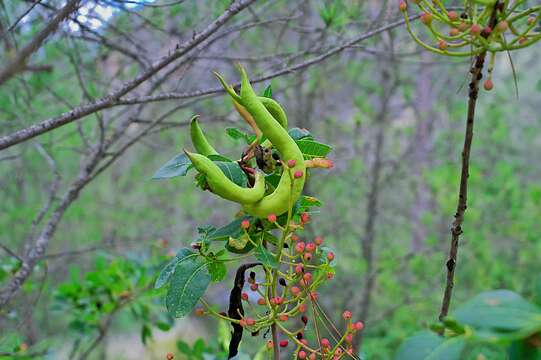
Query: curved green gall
[290, 187]
[199, 140]
[222, 186]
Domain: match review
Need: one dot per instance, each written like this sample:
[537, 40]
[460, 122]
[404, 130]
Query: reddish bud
[359, 325]
[318, 240]
[307, 277]
[454, 32]
[330, 256]
[307, 256]
[442, 45]
[278, 300]
[261, 301]
[243, 323]
[312, 356]
[270, 344]
[253, 287]
[531, 20]
[169, 356]
[330, 275]
[298, 174]
[291, 163]
[463, 26]
[305, 217]
[452, 15]
[272, 218]
[283, 317]
[403, 6]
[283, 343]
[245, 224]
[488, 85]
[299, 247]
[302, 308]
[199, 312]
[313, 295]
[487, 30]
[299, 269]
[304, 342]
[346, 315]
[502, 26]
[349, 338]
[475, 29]
[295, 290]
[310, 247]
[295, 237]
[325, 343]
[426, 18]
[244, 296]
[250, 321]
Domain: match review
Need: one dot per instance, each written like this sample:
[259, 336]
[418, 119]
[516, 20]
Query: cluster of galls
[493, 28]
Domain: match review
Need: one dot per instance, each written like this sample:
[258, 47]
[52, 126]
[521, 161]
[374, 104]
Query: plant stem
[456, 228]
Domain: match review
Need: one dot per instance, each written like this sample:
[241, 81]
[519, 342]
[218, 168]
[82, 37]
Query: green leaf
[146, 333]
[177, 166]
[265, 256]
[169, 269]
[240, 244]
[520, 350]
[268, 92]
[485, 2]
[297, 134]
[237, 134]
[188, 283]
[217, 270]
[426, 345]
[233, 171]
[183, 347]
[499, 310]
[312, 149]
[217, 157]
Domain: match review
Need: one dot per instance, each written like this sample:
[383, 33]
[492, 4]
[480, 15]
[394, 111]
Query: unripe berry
[305, 217]
[244, 296]
[330, 256]
[488, 85]
[270, 344]
[442, 44]
[403, 6]
[475, 29]
[318, 240]
[272, 218]
[486, 31]
[295, 237]
[325, 343]
[301, 355]
[346, 315]
[359, 325]
[295, 290]
[310, 247]
[426, 18]
[452, 15]
[307, 277]
[307, 257]
[313, 295]
[312, 356]
[531, 20]
[502, 26]
[250, 321]
[283, 343]
[283, 317]
[299, 269]
[261, 301]
[253, 287]
[291, 163]
[245, 224]
[298, 174]
[199, 312]
[349, 338]
[522, 40]
[299, 247]
[454, 32]
[304, 342]
[169, 356]
[243, 323]
[302, 308]
[463, 26]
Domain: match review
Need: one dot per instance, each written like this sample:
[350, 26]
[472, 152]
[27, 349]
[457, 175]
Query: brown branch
[115, 98]
[19, 61]
[112, 98]
[456, 228]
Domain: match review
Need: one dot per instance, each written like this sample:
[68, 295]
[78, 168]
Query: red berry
[463, 26]
[442, 44]
[245, 224]
[359, 325]
[330, 256]
[346, 315]
[454, 32]
[349, 338]
[270, 344]
[298, 174]
[488, 85]
[291, 163]
[307, 277]
[253, 287]
[261, 301]
[426, 18]
[299, 247]
[299, 269]
[475, 29]
[312, 356]
[283, 317]
[295, 290]
[325, 343]
[487, 30]
[272, 218]
[243, 323]
[304, 341]
[305, 217]
[244, 296]
[295, 237]
[403, 6]
[310, 247]
[278, 300]
[283, 343]
[169, 356]
[318, 240]
[301, 355]
[313, 295]
[304, 319]
[452, 15]
[302, 308]
[307, 256]
[250, 321]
